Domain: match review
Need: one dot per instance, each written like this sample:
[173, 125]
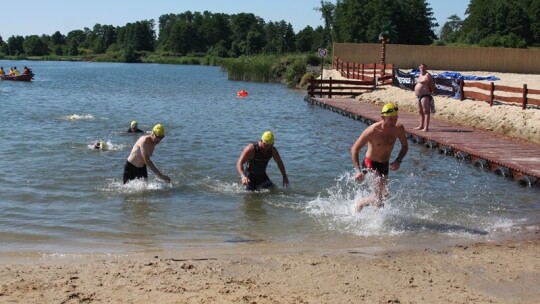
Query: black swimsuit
[132, 172]
[256, 170]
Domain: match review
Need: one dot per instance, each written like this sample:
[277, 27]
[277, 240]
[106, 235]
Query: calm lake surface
[59, 196]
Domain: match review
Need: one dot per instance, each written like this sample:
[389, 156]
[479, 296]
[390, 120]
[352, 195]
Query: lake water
[59, 196]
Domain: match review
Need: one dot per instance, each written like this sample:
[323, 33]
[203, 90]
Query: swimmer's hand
[165, 178]
[360, 174]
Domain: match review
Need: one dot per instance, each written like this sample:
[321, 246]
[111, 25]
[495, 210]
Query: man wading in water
[380, 138]
[257, 155]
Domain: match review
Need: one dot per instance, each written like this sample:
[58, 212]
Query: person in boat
[380, 138]
[257, 155]
[133, 128]
[26, 70]
[15, 72]
[2, 72]
[139, 158]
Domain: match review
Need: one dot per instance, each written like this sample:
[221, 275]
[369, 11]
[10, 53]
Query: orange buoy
[242, 93]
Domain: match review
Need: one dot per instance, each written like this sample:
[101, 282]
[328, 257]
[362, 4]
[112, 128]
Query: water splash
[405, 212]
[134, 186]
[74, 117]
[106, 146]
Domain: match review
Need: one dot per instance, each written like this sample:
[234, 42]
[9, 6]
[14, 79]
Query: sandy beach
[268, 273]
[493, 272]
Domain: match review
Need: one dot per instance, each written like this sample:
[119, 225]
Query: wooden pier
[507, 157]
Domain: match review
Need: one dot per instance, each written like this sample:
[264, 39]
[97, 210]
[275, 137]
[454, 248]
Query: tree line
[488, 23]
[496, 23]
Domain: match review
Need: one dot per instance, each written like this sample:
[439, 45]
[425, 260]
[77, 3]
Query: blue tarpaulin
[457, 75]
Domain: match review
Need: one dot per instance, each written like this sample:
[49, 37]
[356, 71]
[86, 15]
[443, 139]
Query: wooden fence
[330, 87]
[365, 72]
[491, 96]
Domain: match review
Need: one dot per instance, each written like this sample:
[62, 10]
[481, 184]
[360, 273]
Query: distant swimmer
[133, 128]
[139, 157]
[380, 138]
[257, 155]
[101, 145]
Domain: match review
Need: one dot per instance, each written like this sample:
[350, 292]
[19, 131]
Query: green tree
[58, 39]
[139, 35]
[500, 22]
[15, 45]
[327, 10]
[3, 46]
[34, 46]
[304, 40]
[450, 29]
[241, 25]
[362, 20]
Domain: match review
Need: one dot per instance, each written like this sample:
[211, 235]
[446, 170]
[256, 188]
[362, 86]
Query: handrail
[331, 87]
[491, 95]
[364, 71]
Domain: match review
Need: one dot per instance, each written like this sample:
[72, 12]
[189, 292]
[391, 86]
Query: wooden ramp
[517, 159]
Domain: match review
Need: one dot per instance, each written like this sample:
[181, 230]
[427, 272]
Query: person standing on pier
[424, 89]
[380, 138]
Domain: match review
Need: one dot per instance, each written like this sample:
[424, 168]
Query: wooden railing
[492, 89]
[330, 87]
[383, 74]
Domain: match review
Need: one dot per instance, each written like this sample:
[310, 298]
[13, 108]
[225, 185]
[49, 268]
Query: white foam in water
[135, 186]
[338, 211]
[110, 146]
[404, 212]
[79, 117]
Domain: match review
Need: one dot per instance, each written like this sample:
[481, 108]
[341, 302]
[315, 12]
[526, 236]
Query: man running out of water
[380, 138]
[257, 155]
[139, 158]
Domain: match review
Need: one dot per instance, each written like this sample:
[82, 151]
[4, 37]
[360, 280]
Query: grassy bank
[291, 69]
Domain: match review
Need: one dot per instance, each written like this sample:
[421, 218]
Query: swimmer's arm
[403, 151]
[358, 145]
[150, 164]
[247, 154]
[281, 166]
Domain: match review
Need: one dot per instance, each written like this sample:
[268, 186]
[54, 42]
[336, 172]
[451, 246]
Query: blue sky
[37, 17]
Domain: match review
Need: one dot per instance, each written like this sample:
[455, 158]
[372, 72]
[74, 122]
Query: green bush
[304, 81]
[294, 72]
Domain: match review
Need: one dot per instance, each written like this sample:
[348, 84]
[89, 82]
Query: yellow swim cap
[389, 109]
[133, 123]
[159, 130]
[268, 138]
[103, 145]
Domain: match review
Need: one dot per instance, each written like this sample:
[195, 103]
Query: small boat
[22, 77]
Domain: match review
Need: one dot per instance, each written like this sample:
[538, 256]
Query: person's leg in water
[377, 198]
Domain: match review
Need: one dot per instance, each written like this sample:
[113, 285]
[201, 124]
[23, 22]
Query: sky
[38, 17]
